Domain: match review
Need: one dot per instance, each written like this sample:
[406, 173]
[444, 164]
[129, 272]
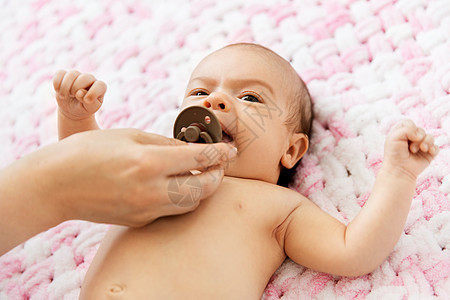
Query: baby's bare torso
[228, 248]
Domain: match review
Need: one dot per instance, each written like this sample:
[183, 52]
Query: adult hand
[119, 176]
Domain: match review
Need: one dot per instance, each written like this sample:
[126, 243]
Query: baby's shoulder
[267, 204]
[257, 185]
[262, 195]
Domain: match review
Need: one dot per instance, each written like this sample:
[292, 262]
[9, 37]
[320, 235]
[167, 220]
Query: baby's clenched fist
[79, 95]
[409, 149]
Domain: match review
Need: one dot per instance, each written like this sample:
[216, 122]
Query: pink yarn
[318, 284]
[11, 267]
[126, 54]
[337, 19]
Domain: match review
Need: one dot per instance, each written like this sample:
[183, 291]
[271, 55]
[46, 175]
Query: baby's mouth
[226, 138]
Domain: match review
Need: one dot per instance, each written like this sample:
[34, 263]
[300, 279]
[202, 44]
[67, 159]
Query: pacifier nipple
[197, 124]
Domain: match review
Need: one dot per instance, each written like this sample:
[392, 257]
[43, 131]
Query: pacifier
[197, 124]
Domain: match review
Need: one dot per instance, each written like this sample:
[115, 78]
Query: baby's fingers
[80, 94]
[57, 79]
[426, 145]
[406, 131]
[419, 144]
[92, 99]
[83, 81]
[96, 92]
[67, 81]
[434, 150]
[414, 134]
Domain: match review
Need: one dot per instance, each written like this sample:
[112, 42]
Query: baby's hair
[300, 115]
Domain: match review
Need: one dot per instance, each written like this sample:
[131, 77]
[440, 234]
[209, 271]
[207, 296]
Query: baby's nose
[217, 101]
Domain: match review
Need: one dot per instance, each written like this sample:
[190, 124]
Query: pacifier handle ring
[206, 137]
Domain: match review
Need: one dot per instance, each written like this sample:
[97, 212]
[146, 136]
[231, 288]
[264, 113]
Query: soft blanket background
[368, 64]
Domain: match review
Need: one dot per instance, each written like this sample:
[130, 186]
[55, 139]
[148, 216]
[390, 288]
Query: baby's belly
[217, 252]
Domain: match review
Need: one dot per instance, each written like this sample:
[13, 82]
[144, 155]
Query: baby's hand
[79, 95]
[409, 149]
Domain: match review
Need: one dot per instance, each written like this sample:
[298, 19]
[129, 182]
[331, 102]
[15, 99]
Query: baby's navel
[116, 289]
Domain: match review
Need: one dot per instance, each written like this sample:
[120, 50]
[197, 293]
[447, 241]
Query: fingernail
[432, 150]
[233, 152]
[420, 135]
[436, 149]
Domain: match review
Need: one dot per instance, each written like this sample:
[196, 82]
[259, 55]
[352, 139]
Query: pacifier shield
[197, 124]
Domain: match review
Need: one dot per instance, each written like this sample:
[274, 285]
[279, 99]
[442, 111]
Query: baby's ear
[298, 145]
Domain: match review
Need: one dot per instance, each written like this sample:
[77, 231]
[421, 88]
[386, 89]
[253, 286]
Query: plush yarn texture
[368, 65]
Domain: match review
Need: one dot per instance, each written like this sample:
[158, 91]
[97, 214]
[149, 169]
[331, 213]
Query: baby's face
[245, 90]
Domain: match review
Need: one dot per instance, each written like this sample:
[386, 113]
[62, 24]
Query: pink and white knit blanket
[368, 64]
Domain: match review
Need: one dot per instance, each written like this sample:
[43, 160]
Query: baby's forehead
[258, 52]
[238, 54]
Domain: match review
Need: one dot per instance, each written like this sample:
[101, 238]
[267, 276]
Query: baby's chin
[234, 170]
[230, 170]
[245, 171]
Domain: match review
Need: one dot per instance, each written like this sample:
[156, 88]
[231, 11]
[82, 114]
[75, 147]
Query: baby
[229, 247]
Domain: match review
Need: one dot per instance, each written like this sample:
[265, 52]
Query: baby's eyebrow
[204, 79]
[236, 82]
[256, 81]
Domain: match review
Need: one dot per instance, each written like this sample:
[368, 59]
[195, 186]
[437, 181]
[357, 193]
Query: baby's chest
[227, 234]
[239, 214]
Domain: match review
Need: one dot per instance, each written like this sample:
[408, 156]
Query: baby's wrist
[397, 172]
[68, 121]
[68, 126]
[62, 116]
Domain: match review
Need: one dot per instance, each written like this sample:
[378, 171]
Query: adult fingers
[210, 180]
[178, 195]
[194, 156]
[146, 138]
[186, 191]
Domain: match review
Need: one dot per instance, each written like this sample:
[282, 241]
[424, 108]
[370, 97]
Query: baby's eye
[250, 98]
[199, 93]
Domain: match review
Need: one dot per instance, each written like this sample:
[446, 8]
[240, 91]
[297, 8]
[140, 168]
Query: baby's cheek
[189, 101]
[183, 103]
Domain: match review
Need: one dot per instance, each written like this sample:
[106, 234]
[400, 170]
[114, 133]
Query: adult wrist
[43, 169]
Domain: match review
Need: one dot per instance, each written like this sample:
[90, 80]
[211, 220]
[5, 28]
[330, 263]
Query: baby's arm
[79, 96]
[318, 241]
